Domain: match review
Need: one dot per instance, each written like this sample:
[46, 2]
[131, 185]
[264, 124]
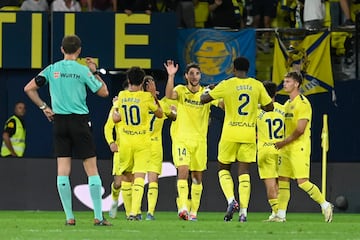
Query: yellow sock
[226, 183]
[284, 195]
[178, 203]
[196, 190]
[137, 192]
[126, 194]
[188, 204]
[152, 197]
[244, 190]
[115, 193]
[183, 192]
[313, 191]
[274, 204]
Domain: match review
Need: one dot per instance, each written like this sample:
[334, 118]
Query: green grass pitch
[50, 225]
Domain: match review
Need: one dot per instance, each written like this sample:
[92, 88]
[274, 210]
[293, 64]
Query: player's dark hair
[71, 44]
[125, 85]
[19, 102]
[192, 65]
[135, 75]
[297, 76]
[270, 88]
[241, 64]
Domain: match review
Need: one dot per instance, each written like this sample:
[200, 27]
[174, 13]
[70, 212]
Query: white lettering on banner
[83, 194]
[309, 86]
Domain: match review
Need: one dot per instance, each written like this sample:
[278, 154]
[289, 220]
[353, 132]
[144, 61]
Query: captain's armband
[40, 80]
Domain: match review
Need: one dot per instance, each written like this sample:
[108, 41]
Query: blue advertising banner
[116, 40]
[214, 51]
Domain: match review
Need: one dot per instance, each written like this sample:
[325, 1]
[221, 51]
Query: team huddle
[254, 127]
[253, 130]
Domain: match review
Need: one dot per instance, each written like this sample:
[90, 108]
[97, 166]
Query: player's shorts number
[182, 151]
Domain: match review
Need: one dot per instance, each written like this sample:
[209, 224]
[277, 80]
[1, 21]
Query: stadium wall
[344, 134]
[116, 48]
[30, 184]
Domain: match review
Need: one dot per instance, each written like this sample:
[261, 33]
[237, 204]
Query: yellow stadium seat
[338, 40]
[327, 19]
[10, 8]
[354, 8]
[201, 14]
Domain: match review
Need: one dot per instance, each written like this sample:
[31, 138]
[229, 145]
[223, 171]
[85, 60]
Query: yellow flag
[310, 56]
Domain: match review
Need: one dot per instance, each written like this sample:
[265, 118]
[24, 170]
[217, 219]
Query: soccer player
[241, 95]
[296, 148]
[133, 108]
[156, 158]
[190, 143]
[270, 129]
[112, 136]
[68, 82]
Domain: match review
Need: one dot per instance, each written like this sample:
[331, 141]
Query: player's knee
[222, 166]
[196, 180]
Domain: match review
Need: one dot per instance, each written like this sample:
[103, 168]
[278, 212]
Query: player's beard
[194, 84]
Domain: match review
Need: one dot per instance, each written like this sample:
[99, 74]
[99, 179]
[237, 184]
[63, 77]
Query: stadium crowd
[225, 14]
[212, 13]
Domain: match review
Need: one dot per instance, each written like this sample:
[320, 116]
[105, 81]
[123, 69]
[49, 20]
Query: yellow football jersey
[299, 108]
[156, 124]
[192, 115]
[134, 110]
[241, 97]
[270, 126]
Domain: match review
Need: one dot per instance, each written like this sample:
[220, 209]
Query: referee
[68, 82]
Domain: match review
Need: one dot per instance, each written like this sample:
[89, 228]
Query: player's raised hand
[151, 87]
[171, 67]
[91, 64]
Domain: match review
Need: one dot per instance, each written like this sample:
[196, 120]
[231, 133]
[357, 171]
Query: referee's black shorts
[73, 135]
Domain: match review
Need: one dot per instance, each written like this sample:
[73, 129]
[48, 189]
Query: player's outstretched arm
[205, 98]
[171, 69]
[300, 129]
[151, 87]
[268, 108]
[103, 90]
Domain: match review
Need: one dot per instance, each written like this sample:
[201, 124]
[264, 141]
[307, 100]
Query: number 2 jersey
[241, 98]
